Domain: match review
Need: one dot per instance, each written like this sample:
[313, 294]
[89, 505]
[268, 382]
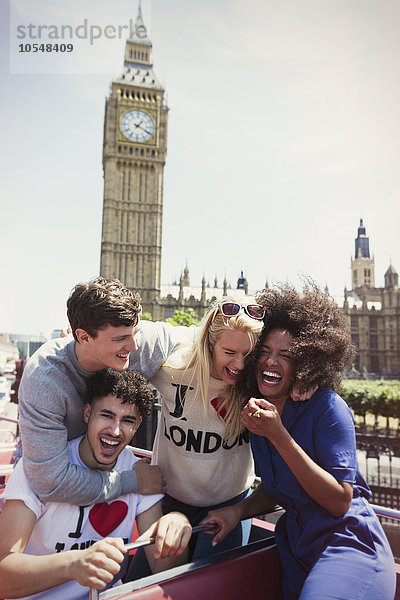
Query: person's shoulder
[325, 394]
[51, 353]
[126, 460]
[328, 400]
[328, 396]
[50, 366]
[18, 488]
[179, 359]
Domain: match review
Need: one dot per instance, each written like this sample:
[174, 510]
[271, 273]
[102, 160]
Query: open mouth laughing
[109, 445]
[233, 374]
[271, 378]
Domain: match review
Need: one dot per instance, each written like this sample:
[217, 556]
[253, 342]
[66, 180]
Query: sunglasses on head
[231, 309]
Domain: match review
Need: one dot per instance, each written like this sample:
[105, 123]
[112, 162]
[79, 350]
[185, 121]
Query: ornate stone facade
[183, 295]
[373, 313]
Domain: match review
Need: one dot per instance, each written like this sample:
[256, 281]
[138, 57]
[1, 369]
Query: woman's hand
[172, 534]
[226, 518]
[262, 418]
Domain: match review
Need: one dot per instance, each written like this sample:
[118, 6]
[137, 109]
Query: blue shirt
[323, 426]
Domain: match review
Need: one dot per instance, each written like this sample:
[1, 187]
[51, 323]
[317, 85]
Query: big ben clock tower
[134, 152]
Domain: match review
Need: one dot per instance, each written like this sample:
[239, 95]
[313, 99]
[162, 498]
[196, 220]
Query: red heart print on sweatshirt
[104, 517]
[216, 403]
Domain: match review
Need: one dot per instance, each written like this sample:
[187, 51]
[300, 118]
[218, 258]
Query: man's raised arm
[156, 341]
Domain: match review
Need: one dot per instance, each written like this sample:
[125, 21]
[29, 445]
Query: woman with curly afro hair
[330, 541]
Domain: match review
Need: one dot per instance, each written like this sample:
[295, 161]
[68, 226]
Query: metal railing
[97, 595]
[9, 420]
[388, 513]
[141, 452]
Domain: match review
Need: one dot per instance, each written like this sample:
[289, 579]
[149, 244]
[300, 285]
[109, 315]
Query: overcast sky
[284, 131]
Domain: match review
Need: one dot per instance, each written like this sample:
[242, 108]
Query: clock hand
[146, 131]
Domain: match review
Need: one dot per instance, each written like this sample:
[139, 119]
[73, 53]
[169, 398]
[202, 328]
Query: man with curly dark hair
[130, 387]
[56, 549]
[330, 541]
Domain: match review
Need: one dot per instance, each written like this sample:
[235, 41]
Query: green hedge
[380, 398]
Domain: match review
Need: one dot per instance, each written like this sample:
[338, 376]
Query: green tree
[184, 317]
[146, 316]
[379, 398]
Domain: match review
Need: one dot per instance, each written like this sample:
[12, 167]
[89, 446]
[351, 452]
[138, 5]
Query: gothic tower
[134, 153]
[362, 266]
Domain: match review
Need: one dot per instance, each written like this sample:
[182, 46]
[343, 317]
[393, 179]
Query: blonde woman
[200, 444]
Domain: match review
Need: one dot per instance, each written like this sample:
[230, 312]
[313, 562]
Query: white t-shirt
[62, 526]
[200, 467]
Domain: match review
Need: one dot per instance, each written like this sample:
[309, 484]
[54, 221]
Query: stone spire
[391, 278]
[138, 65]
[346, 301]
[363, 265]
[181, 297]
[361, 242]
[203, 298]
[241, 281]
[139, 32]
[186, 279]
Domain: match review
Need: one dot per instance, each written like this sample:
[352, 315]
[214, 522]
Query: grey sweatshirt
[51, 399]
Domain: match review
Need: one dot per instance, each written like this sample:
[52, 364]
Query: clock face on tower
[137, 126]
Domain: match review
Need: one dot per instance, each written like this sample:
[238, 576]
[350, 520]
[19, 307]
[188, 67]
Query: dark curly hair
[129, 386]
[321, 345]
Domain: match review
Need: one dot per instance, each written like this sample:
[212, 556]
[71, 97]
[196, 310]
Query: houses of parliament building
[134, 155]
[373, 313]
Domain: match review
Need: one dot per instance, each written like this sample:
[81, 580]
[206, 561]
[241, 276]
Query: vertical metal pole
[379, 471]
